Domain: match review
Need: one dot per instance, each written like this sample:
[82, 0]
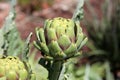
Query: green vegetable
[60, 38]
[13, 69]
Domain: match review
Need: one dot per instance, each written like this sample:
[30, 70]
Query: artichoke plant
[60, 38]
[11, 68]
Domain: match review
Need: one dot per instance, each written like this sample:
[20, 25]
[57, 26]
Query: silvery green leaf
[78, 14]
[17, 44]
[26, 48]
[13, 2]
[9, 23]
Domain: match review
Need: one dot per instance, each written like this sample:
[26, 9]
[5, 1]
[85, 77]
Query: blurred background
[101, 23]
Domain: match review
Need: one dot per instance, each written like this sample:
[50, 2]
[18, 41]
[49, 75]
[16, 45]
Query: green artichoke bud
[13, 69]
[60, 38]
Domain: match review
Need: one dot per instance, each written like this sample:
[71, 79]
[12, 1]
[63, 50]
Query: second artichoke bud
[60, 38]
[12, 68]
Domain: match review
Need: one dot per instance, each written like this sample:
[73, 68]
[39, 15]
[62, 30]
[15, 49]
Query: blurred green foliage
[105, 36]
[11, 43]
[103, 60]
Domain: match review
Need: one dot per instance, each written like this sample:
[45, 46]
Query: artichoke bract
[13, 69]
[60, 38]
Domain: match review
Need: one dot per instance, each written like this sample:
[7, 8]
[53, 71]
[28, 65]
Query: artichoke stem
[55, 71]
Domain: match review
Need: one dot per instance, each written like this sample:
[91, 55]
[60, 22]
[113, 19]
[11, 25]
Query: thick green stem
[55, 70]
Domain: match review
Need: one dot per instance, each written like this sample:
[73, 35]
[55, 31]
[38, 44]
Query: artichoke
[60, 38]
[13, 69]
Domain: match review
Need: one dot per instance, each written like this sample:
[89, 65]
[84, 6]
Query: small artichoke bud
[13, 69]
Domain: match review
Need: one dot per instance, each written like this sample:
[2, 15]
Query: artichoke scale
[70, 33]
[44, 48]
[37, 34]
[41, 35]
[60, 31]
[47, 24]
[55, 24]
[37, 45]
[60, 55]
[70, 23]
[51, 35]
[78, 28]
[83, 43]
[54, 48]
[79, 39]
[64, 42]
[71, 50]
